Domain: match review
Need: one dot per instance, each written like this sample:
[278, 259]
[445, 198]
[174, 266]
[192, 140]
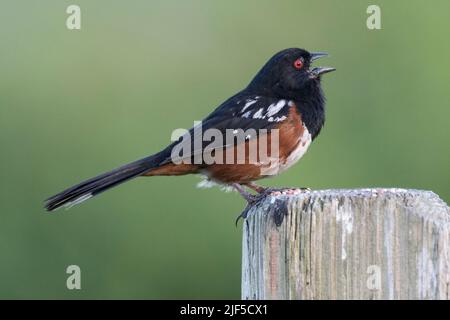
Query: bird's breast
[294, 140]
[297, 152]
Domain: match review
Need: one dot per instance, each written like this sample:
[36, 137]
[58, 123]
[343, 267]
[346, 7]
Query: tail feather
[92, 187]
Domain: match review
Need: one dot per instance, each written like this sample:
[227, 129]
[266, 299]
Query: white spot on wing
[267, 112]
[275, 108]
[279, 119]
[258, 114]
[247, 114]
[248, 103]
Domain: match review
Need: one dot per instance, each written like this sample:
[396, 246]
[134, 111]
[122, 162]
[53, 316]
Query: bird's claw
[243, 214]
[267, 192]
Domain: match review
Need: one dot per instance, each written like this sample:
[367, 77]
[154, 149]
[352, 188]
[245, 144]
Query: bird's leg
[246, 195]
[255, 187]
[251, 199]
[262, 193]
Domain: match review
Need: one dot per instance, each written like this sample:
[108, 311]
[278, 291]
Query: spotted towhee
[284, 97]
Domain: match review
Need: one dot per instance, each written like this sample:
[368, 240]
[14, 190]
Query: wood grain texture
[348, 244]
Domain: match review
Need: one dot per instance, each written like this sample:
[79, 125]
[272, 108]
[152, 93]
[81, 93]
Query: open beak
[317, 55]
[318, 71]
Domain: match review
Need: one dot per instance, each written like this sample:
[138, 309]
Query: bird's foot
[244, 213]
[251, 199]
[262, 194]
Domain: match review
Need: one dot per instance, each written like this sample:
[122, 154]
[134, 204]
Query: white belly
[279, 166]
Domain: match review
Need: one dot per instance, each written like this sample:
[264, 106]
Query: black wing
[238, 114]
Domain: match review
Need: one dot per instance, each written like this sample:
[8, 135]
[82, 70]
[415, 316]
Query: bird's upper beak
[318, 71]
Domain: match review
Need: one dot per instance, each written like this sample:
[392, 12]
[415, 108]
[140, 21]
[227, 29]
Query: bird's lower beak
[318, 71]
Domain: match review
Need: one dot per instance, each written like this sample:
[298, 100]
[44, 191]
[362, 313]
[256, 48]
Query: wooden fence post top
[348, 244]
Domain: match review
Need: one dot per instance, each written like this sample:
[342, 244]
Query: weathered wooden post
[348, 244]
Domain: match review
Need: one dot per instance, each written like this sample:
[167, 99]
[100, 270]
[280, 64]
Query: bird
[283, 105]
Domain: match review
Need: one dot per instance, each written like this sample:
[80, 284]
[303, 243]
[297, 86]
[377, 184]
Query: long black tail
[89, 188]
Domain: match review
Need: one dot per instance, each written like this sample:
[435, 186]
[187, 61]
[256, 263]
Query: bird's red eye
[298, 64]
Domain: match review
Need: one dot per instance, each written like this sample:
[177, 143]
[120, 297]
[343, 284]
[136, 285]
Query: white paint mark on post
[346, 219]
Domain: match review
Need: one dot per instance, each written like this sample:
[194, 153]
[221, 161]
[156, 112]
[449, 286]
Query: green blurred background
[77, 103]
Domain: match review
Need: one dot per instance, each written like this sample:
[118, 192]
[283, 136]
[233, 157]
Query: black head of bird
[290, 74]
